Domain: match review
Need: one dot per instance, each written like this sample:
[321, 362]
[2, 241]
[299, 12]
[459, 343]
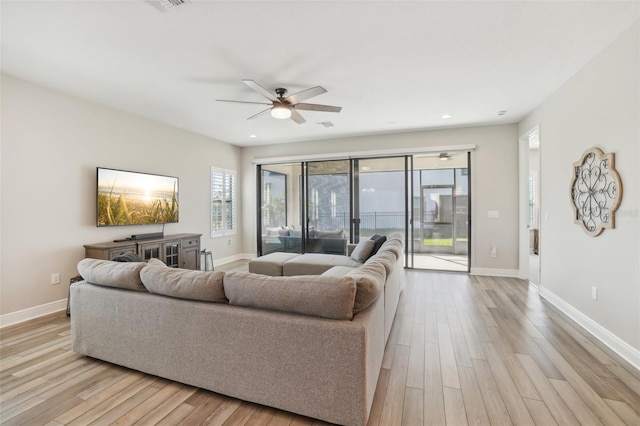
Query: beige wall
[51, 146]
[599, 106]
[494, 172]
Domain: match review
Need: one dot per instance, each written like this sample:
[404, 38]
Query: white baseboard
[619, 346]
[235, 257]
[32, 313]
[491, 272]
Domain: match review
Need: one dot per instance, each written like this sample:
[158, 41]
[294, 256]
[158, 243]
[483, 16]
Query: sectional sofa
[311, 345]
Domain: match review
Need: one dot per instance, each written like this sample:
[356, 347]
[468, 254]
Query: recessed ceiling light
[252, 136]
[446, 116]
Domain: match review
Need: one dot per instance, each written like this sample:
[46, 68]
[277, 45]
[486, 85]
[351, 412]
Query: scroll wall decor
[596, 191]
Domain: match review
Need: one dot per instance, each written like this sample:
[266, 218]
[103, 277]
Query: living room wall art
[596, 191]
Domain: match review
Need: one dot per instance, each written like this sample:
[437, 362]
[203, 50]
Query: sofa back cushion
[184, 283]
[370, 279]
[110, 273]
[313, 295]
[386, 258]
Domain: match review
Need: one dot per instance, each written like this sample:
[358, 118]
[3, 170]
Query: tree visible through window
[223, 202]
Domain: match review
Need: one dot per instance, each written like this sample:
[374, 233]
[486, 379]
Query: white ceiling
[393, 66]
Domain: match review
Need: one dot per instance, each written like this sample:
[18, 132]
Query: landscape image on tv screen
[131, 198]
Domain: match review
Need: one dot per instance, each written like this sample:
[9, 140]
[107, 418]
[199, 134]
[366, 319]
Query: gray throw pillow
[128, 257]
[362, 250]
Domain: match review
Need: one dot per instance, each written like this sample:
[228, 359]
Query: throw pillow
[362, 250]
[128, 257]
[184, 283]
[379, 241]
[312, 295]
[112, 274]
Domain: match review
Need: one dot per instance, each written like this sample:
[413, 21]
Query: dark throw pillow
[128, 257]
[379, 241]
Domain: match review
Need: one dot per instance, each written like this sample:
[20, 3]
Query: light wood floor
[463, 350]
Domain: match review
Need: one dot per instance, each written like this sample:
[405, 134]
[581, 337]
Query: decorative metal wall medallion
[596, 191]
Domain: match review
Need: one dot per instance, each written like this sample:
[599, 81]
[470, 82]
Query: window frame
[228, 198]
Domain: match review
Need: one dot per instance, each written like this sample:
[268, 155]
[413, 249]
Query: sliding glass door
[380, 197]
[279, 213]
[328, 206]
[441, 211]
[321, 206]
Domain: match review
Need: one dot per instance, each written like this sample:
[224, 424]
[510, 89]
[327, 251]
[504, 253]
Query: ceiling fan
[287, 107]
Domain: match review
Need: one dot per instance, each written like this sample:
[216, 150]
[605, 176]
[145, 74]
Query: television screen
[130, 198]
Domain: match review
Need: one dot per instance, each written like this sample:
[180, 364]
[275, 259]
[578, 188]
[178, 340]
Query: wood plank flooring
[464, 350]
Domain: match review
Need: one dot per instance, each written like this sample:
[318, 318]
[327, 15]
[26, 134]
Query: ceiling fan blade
[305, 94]
[295, 116]
[243, 102]
[316, 107]
[261, 113]
[264, 92]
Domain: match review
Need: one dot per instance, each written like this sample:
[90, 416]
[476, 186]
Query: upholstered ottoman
[270, 264]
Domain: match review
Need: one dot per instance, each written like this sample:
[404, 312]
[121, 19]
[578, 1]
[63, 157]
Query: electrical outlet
[55, 278]
[229, 242]
[494, 251]
[594, 293]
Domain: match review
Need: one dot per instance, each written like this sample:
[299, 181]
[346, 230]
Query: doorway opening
[530, 212]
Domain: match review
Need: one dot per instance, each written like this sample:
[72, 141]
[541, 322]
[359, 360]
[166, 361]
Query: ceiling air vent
[325, 123]
[164, 5]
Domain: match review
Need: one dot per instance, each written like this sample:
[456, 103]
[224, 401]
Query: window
[223, 202]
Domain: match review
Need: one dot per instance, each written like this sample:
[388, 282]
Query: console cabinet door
[150, 250]
[171, 251]
[191, 253]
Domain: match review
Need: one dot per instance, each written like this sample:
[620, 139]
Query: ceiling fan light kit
[280, 111]
[286, 107]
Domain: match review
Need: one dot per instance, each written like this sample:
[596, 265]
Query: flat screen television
[132, 198]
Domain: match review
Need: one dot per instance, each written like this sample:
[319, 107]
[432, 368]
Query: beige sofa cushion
[370, 279]
[394, 246]
[338, 271]
[112, 274]
[184, 283]
[316, 263]
[386, 258]
[325, 297]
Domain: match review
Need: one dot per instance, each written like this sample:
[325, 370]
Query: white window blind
[223, 202]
